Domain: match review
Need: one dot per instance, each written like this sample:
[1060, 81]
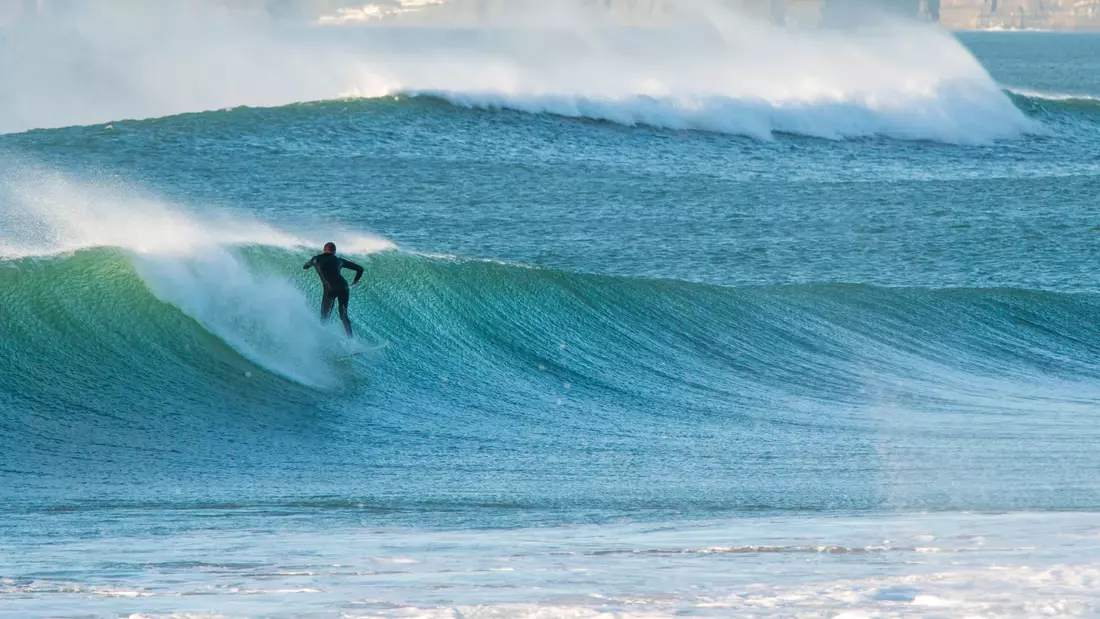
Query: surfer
[328, 268]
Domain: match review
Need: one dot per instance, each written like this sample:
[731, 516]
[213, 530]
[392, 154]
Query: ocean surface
[819, 342]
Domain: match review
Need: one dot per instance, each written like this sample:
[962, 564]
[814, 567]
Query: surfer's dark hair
[330, 247]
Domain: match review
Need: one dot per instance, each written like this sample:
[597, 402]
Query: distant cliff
[1020, 14]
[953, 14]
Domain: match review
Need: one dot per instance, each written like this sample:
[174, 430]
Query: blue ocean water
[798, 347]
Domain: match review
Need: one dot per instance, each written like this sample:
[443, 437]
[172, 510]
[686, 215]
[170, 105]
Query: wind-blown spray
[703, 66]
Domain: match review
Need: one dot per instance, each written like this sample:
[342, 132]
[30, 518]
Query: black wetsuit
[328, 268]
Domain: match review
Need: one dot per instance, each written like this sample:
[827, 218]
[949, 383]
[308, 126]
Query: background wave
[709, 68]
[1036, 102]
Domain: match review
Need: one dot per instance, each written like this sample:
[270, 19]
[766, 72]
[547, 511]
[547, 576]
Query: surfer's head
[330, 248]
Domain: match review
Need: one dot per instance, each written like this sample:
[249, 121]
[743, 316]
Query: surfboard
[363, 351]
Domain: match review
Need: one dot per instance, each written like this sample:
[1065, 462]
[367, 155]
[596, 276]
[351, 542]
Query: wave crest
[708, 68]
[949, 118]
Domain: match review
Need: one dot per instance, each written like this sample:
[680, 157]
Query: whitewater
[687, 314]
[704, 68]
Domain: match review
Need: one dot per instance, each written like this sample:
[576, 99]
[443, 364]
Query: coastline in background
[1054, 15]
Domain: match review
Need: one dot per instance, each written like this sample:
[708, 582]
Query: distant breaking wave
[952, 119]
[710, 70]
[1037, 102]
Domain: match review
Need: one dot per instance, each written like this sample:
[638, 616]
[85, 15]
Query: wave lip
[45, 213]
[957, 118]
[1036, 102]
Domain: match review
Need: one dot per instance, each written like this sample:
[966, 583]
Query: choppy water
[716, 353]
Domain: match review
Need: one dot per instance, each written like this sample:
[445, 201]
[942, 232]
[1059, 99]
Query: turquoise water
[646, 356]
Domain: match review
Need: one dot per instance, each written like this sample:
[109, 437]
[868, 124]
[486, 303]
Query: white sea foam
[121, 593]
[1053, 96]
[579, 571]
[960, 593]
[176, 616]
[705, 68]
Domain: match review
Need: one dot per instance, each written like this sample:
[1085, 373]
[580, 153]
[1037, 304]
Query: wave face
[845, 331]
[706, 68]
[577, 371]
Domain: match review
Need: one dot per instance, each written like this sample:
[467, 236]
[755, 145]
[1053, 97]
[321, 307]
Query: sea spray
[702, 67]
[187, 258]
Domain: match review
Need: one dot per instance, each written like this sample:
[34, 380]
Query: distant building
[1021, 14]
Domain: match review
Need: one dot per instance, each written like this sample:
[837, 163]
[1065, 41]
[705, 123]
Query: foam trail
[264, 318]
[186, 260]
[1053, 96]
[702, 67]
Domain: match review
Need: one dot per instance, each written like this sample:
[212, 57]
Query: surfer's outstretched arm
[309, 265]
[347, 264]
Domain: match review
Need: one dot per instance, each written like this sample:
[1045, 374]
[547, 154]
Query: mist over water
[703, 67]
